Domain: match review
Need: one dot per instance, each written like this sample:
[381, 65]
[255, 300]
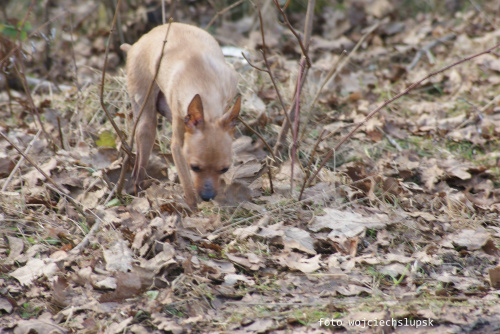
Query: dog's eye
[223, 170]
[195, 169]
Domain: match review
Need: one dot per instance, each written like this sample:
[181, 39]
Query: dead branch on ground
[427, 50]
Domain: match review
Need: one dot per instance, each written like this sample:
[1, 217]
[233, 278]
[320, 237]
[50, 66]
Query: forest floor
[399, 232]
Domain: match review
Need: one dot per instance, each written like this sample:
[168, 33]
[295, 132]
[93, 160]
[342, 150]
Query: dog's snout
[208, 192]
[208, 195]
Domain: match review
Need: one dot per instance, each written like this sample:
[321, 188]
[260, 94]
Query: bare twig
[336, 70]
[297, 117]
[390, 139]
[34, 32]
[406, 91]
[163, 20]
[308, 170]
[270, 177]
[61, 136]
[489, 104]
[95, 228]
[258, 135]
[125, 146]
[21, 160]
[426, 49]
[22, 76]
[307, 35]
[331, 75]
[307, 29]
[49, 179]
[266, 62]
[228, 8]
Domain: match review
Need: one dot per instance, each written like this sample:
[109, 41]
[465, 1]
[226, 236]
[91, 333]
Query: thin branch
[258, 135]
[426, 49]
[21, 160]
[489, 104]
[266, 62]
[228, 8]
[406, 91]
[331, 75]
[336, 70]
[253, 65]
[49, 179]
[34, 32]
[22, 76]
[95, 228]
[297, 118]
[125, 146]
[306, 37]
[308, 170]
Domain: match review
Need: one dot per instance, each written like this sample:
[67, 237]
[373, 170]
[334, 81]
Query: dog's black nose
[207, 195]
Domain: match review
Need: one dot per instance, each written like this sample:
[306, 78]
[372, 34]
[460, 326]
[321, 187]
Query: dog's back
[192, 64]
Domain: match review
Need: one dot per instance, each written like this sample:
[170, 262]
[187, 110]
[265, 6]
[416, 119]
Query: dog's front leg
[181, 164]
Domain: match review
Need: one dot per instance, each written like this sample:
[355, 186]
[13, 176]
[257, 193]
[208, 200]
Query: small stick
[34, 32]
[406, 91]
[308, 170]
[86, 239]
[21, 160]
[264, 56]
[336, 70]
[22, 75]
[228, 8]
[306, 38]
[426, 49]
[296, 121]
[258, 135]
[268, 147]
[487, 105]
[270, 176]
[163, 12]
[390, 139]
[49, 179]
[125, 146]
[307, 35]
[60, 132]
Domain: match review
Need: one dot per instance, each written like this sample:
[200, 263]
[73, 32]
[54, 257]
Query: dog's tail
[125, 47]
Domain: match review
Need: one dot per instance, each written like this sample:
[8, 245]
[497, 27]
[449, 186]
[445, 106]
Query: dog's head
[207, 146]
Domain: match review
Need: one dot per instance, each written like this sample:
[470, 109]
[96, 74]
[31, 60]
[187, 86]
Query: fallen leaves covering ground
[401, 226]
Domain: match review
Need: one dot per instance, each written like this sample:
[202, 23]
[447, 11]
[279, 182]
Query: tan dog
[194, 89]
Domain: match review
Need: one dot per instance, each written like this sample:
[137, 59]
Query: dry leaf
[296, 261]
[118, 257]
[298, 239]
[33, 269]
[347, 224]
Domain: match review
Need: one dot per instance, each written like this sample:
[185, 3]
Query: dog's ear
[194, 119]
[228, 121]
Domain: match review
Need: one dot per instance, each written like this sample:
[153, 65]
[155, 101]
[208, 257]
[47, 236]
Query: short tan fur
[194, 89]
